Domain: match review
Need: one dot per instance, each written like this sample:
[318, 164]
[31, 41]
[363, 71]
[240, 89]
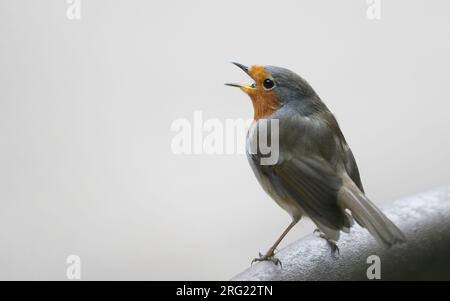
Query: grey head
[276, 86]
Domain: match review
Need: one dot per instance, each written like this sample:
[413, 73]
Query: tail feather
[369, 216]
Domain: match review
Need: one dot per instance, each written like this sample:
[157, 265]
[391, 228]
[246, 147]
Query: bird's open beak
[245, 88]
[242, 67]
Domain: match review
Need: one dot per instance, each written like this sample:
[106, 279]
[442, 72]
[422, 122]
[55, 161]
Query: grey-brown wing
[349, 160]
[314, 185]
[351, 167]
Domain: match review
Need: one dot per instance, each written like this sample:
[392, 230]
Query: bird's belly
[284, 201]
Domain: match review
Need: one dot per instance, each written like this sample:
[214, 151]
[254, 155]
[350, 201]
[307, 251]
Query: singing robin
[315, 174]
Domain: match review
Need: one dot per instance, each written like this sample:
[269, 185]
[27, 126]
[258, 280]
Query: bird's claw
[318, 232]
[331, 243]
[268, 257]
[334, 247]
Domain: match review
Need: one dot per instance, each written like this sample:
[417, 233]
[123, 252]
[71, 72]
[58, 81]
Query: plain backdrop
[86, 106]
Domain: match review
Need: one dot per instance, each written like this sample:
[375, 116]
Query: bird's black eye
[268, 84]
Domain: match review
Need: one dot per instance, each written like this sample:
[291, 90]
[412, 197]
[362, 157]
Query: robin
[316, 174]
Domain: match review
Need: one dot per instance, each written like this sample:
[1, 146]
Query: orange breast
[264, 104]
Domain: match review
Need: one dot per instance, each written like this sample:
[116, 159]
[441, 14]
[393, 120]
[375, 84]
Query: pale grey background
[86, 107]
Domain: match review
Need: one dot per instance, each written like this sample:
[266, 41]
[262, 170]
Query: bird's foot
[334, 247]
[331, 243]
[270, 256]
[318, 232]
